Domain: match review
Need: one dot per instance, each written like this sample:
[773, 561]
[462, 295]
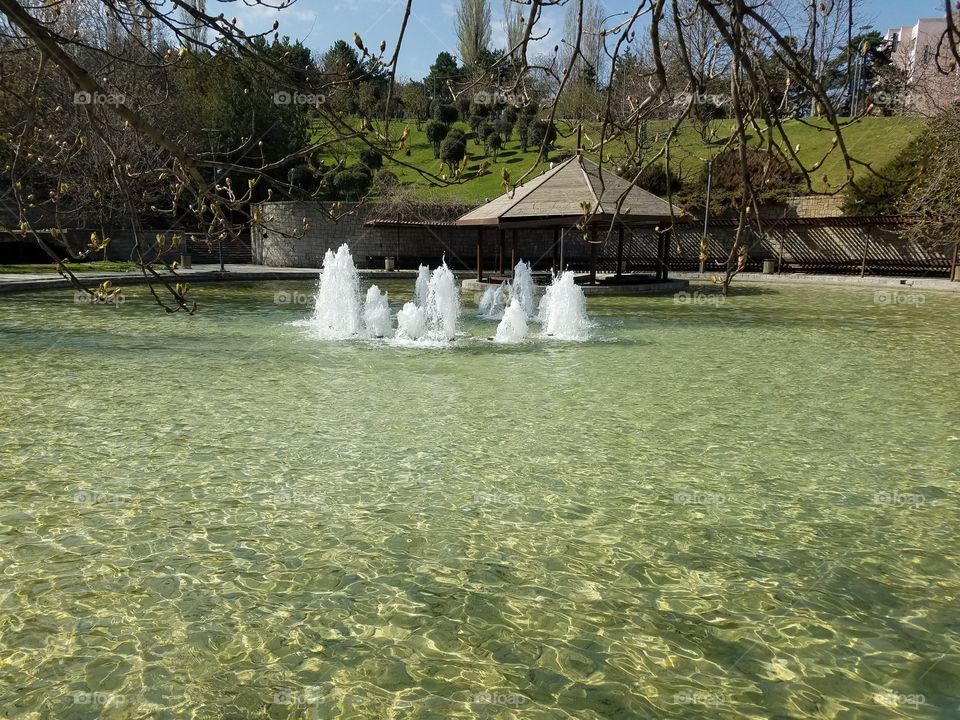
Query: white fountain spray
[492, 302]
[411, 322]
[513, 327]
[563, 310]
[443, 305]
[523, 289]
[422, 286]
[336, 313]
[435, 321]
[376, 313]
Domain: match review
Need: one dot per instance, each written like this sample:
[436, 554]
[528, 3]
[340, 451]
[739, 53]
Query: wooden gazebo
[563, 197]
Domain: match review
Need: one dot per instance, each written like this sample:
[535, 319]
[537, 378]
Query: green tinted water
[745, 509]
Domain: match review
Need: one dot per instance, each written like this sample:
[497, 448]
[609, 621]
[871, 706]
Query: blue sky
[431, 29]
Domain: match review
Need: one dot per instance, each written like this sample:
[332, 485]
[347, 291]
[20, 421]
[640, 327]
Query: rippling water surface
[714, 510]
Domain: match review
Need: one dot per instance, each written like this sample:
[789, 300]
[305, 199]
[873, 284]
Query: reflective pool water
[716, 508]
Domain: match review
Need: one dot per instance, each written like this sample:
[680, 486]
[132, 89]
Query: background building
[928, 86]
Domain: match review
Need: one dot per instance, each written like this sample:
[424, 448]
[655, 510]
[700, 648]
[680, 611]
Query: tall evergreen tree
[473, 30]
[192, 28]
[512, 23]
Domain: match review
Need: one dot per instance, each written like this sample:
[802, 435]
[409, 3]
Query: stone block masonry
[272, 243]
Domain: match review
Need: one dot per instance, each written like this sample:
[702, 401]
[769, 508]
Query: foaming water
[422, 286]
[523, 290]
[492, 302]
[376, 313]
[436, 320]
[563, 310]
[443, 305]
[513, 328]
[336, 314]
[411, 322]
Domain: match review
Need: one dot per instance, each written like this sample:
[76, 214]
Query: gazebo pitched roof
[556, 197]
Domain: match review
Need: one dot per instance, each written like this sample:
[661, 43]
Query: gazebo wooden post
[480, 253]
[593, 254]
[661, 253]
[556, 249]
[667, 237]
[502, 233]
[513, 252]
[620, 252]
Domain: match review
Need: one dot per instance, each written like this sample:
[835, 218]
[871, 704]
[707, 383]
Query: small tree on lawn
[352, 183]
[479, 114]
[372, 159]
[494, 144]
[542, 134]
[523, 128]
[505, 127]
[483, 132]
[458, 135]
[452, 152]
[436, 133]
[447, 114]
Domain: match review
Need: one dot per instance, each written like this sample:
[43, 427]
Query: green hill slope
[873, 140]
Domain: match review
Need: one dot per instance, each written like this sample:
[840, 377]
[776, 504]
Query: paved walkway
[25, 282]
[855, 280]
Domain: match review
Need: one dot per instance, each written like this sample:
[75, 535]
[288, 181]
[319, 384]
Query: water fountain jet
[563, 310]
[336, 313]
[376, 313]
[423, 285]
[523, 289]
[513, 328]
[493, 302]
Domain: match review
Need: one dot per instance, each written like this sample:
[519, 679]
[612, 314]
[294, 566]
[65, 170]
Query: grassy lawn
[96, 266]
[875, 140]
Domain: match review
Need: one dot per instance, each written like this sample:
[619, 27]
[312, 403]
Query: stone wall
[814, 206]
[273, 245]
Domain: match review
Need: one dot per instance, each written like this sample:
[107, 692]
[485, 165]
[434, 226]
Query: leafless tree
[140, 160]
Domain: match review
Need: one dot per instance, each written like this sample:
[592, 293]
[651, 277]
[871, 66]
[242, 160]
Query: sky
[432, 25]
